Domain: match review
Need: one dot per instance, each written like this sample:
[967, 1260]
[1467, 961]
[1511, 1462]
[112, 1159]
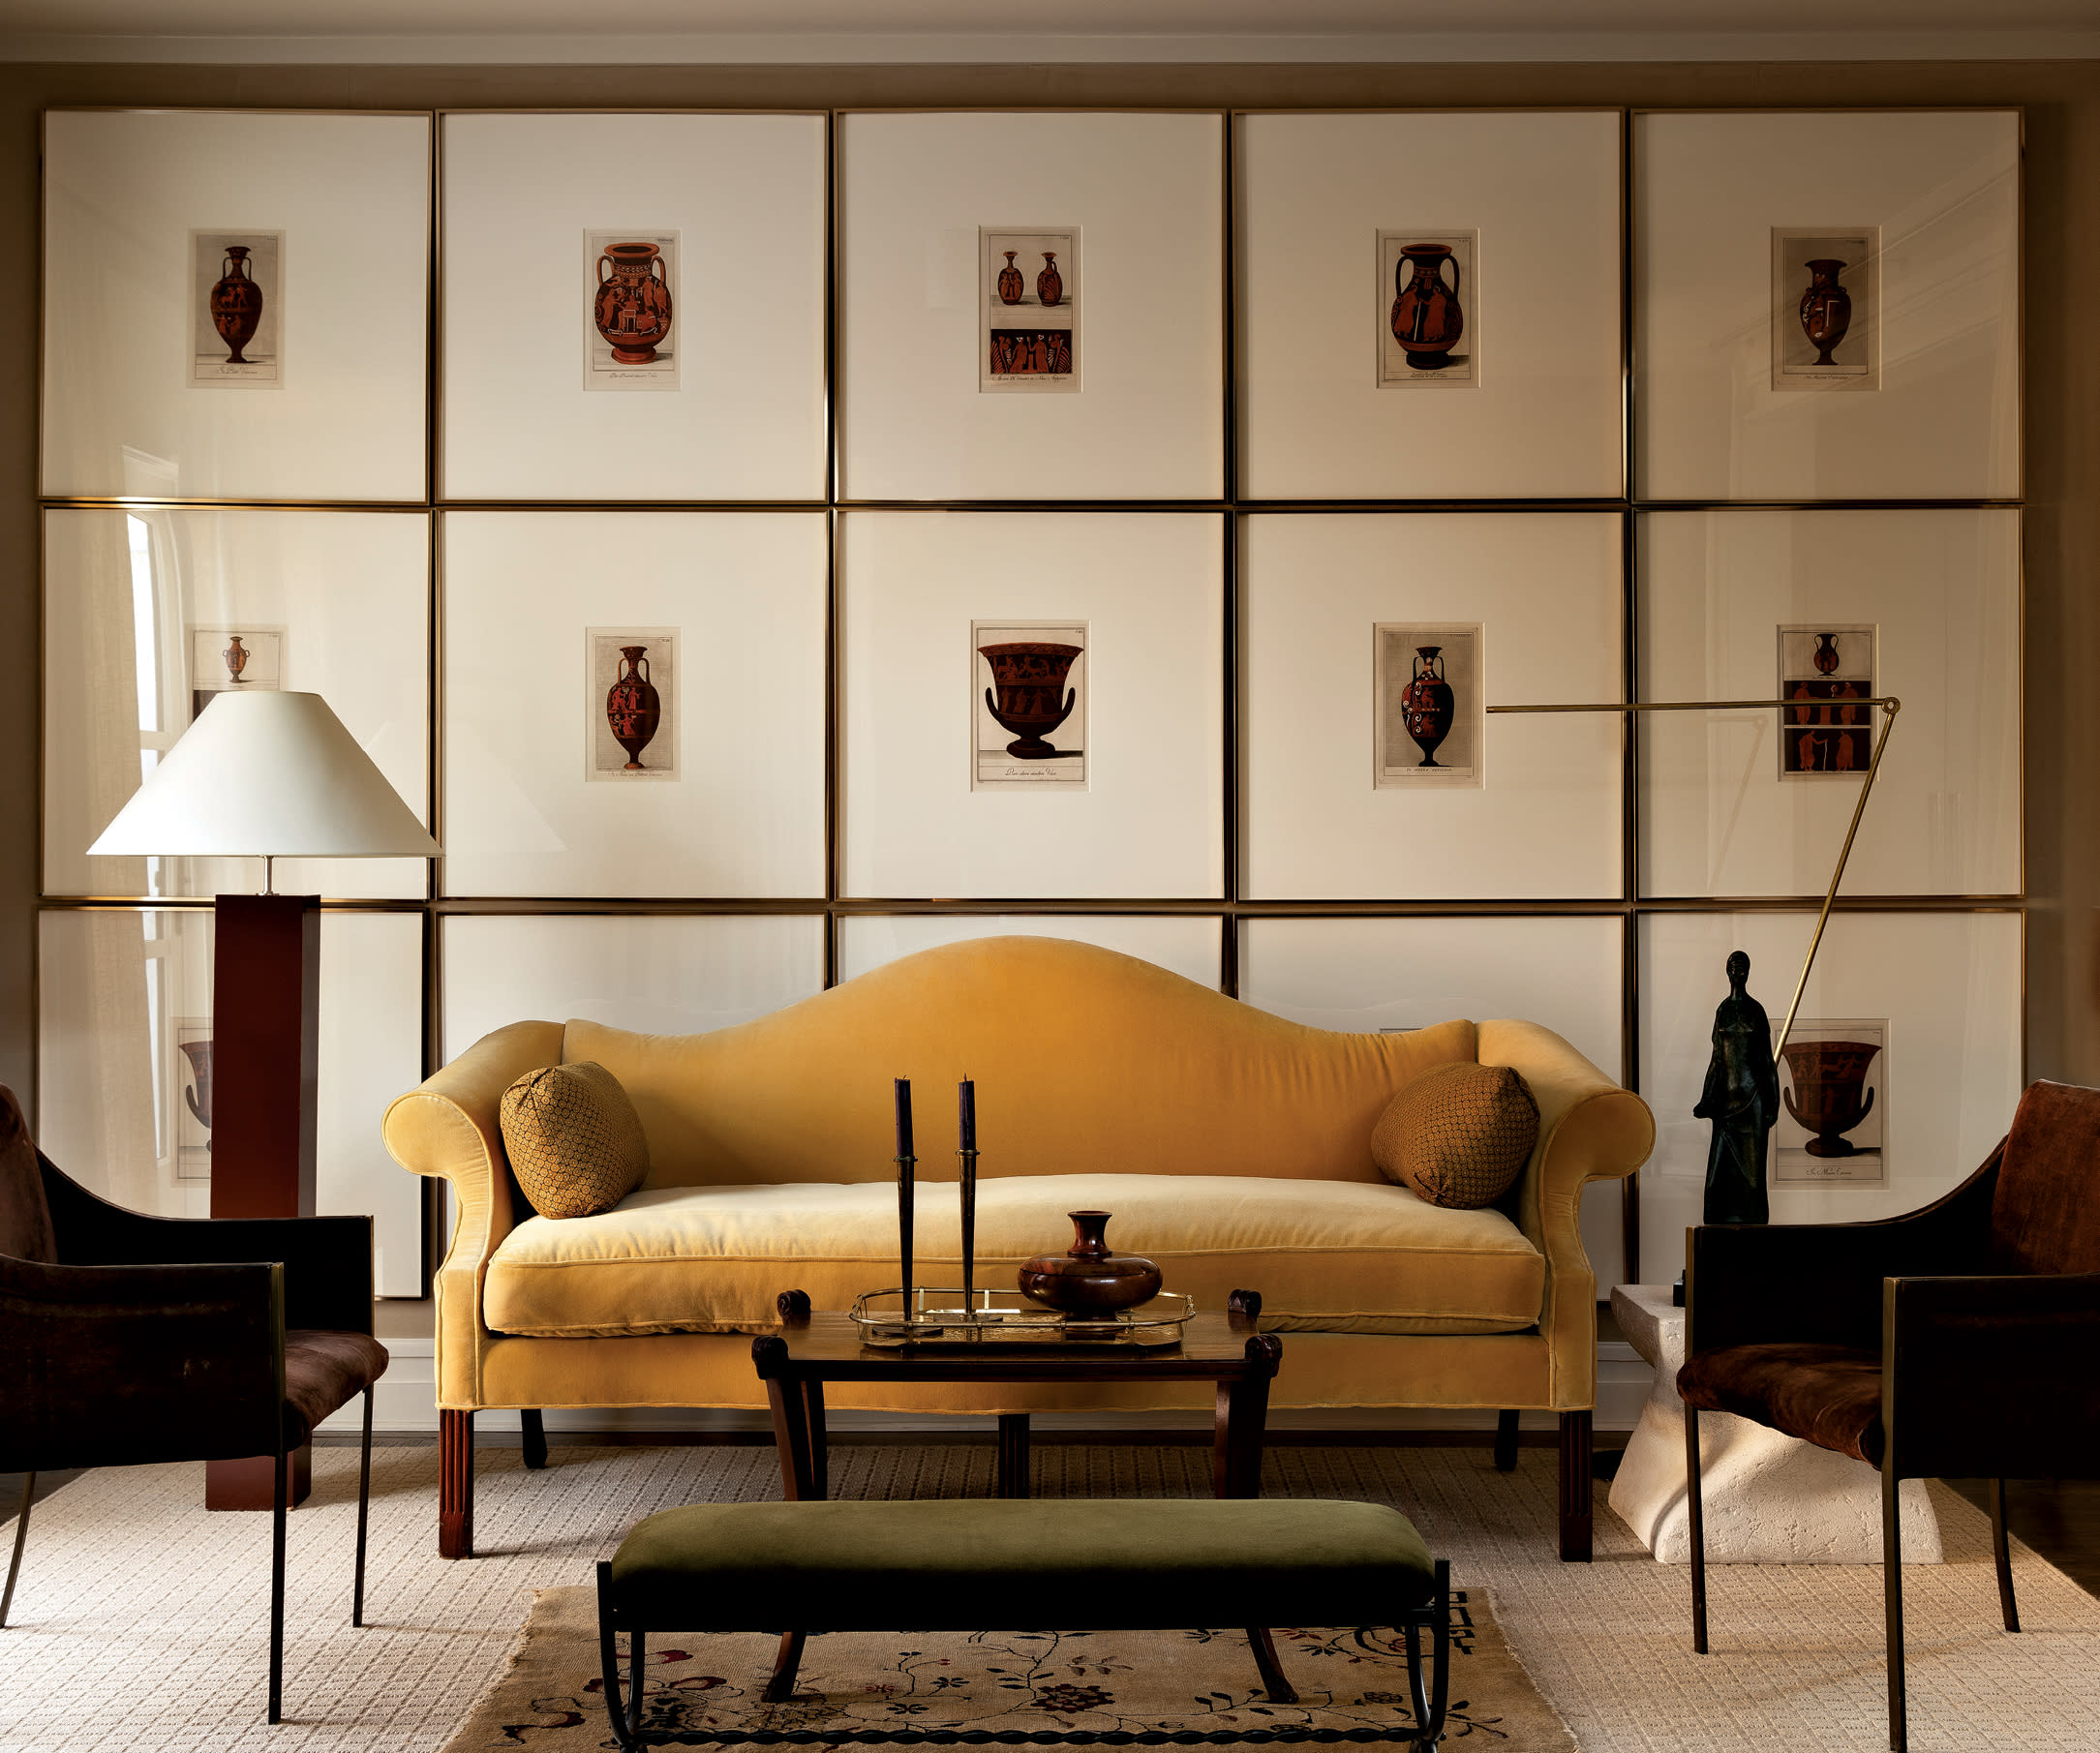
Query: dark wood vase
[633, 706]
[1049, 285]
[1011, 284]
[1427, 319]
[633, 309]
[1826, 309]
[1090, 1280]
[1427, 703]
[1028, 675]
[236, 303]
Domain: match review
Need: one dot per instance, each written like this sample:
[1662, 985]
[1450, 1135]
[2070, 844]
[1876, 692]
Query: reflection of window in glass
[146, 650]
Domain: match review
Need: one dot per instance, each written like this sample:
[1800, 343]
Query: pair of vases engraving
[236, 303]
[633, 309]
[1427, 319]
[1049, 285]
[1028, 677]
[633, 708]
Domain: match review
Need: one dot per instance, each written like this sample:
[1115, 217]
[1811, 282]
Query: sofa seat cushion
[1327, 1256]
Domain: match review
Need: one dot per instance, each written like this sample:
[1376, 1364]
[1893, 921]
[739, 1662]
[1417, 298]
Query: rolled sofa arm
[450, 1127]
[1589, 1128]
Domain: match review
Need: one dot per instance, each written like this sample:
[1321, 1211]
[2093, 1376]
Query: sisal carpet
[140, 1619]
[1060, 1688]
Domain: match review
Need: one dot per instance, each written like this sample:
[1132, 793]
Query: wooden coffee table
[1218, 1345]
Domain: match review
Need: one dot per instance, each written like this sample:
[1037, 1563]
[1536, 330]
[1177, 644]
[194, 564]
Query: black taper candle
[966, 1130]
[905, 1163]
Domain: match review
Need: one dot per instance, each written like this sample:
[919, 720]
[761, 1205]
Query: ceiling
[1045, 30]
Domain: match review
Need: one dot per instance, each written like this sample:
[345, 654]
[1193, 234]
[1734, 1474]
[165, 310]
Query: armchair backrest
[2045, 1217]
[25, 1214]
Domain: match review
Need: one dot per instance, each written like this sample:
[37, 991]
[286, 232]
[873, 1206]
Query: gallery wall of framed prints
[761, 545]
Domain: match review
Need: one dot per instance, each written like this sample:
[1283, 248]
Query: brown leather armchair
[132, 1339]
[1954, 1341]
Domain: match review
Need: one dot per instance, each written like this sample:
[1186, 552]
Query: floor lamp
[266, 775]
[1890, 706]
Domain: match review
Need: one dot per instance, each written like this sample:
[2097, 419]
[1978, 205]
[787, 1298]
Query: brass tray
[938, 1316]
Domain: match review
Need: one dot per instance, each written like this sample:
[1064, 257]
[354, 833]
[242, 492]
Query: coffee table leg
[817, 1439]
[1237, 1451]
[1013, 1454]
[791, 1436]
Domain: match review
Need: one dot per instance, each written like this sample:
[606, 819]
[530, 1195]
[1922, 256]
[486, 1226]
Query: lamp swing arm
[1890, 706]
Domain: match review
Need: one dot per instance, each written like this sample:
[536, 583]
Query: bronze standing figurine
[1742, 1100]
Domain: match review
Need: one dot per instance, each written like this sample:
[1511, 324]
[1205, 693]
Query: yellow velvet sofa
[1233, 1146]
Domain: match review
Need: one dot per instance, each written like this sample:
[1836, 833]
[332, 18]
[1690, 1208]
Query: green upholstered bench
[975, 1564]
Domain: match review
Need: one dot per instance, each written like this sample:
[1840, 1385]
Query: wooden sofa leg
[532, 1438]
[1575, 1486]
[455, 1485]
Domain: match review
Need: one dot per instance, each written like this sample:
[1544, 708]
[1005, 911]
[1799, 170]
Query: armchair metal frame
[187, 1318]
[1973, 1363]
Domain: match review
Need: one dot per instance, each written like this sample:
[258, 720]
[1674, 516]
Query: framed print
[234, 660]
[1336, 613]
[1826, 307]
[1181, 943]
[631, 727]
[660, 973]
[1834, 1103]
[1808, 608]
[1135, 598]
[237, 314]
[1342, 227]
[1031, 315]
[691, 244]
[151, 611]
[1112, 389]
[1834, 665]
[236, 252]
[1943, 988]
[1428, 309]
[1891, 371]
[1431, 683]
[1028, 684]
[1564, 974]
[125, 1068]
[631, 302]
[577, 759]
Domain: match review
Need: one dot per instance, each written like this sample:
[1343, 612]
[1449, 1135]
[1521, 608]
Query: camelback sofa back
[1233, 1146]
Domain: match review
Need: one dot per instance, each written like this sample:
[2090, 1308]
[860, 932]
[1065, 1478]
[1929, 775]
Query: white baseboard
[406, 1403]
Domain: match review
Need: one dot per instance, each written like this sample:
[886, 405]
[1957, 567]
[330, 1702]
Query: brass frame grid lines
[1233, 506]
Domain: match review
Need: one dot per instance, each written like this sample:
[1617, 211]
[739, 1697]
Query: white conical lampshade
[266, 775]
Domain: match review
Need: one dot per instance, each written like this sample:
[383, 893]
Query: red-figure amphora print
[633, 309]
[633, 706]
[1427, 317]
[236, 303]
[1826, 309]
[1428, 703]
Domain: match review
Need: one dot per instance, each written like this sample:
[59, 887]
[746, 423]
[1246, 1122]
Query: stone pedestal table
[1769, 1499]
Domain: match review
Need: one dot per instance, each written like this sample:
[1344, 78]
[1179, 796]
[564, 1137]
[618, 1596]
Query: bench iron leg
[1430, 1702]
[1279, 1689]
[781, 1686]
[624, 1724]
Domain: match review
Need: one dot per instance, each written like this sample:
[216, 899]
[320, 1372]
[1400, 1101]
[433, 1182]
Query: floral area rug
[1006, 1687]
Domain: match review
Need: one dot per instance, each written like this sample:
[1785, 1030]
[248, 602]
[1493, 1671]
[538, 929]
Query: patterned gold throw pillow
[1458, 1134]
[573, 1139]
